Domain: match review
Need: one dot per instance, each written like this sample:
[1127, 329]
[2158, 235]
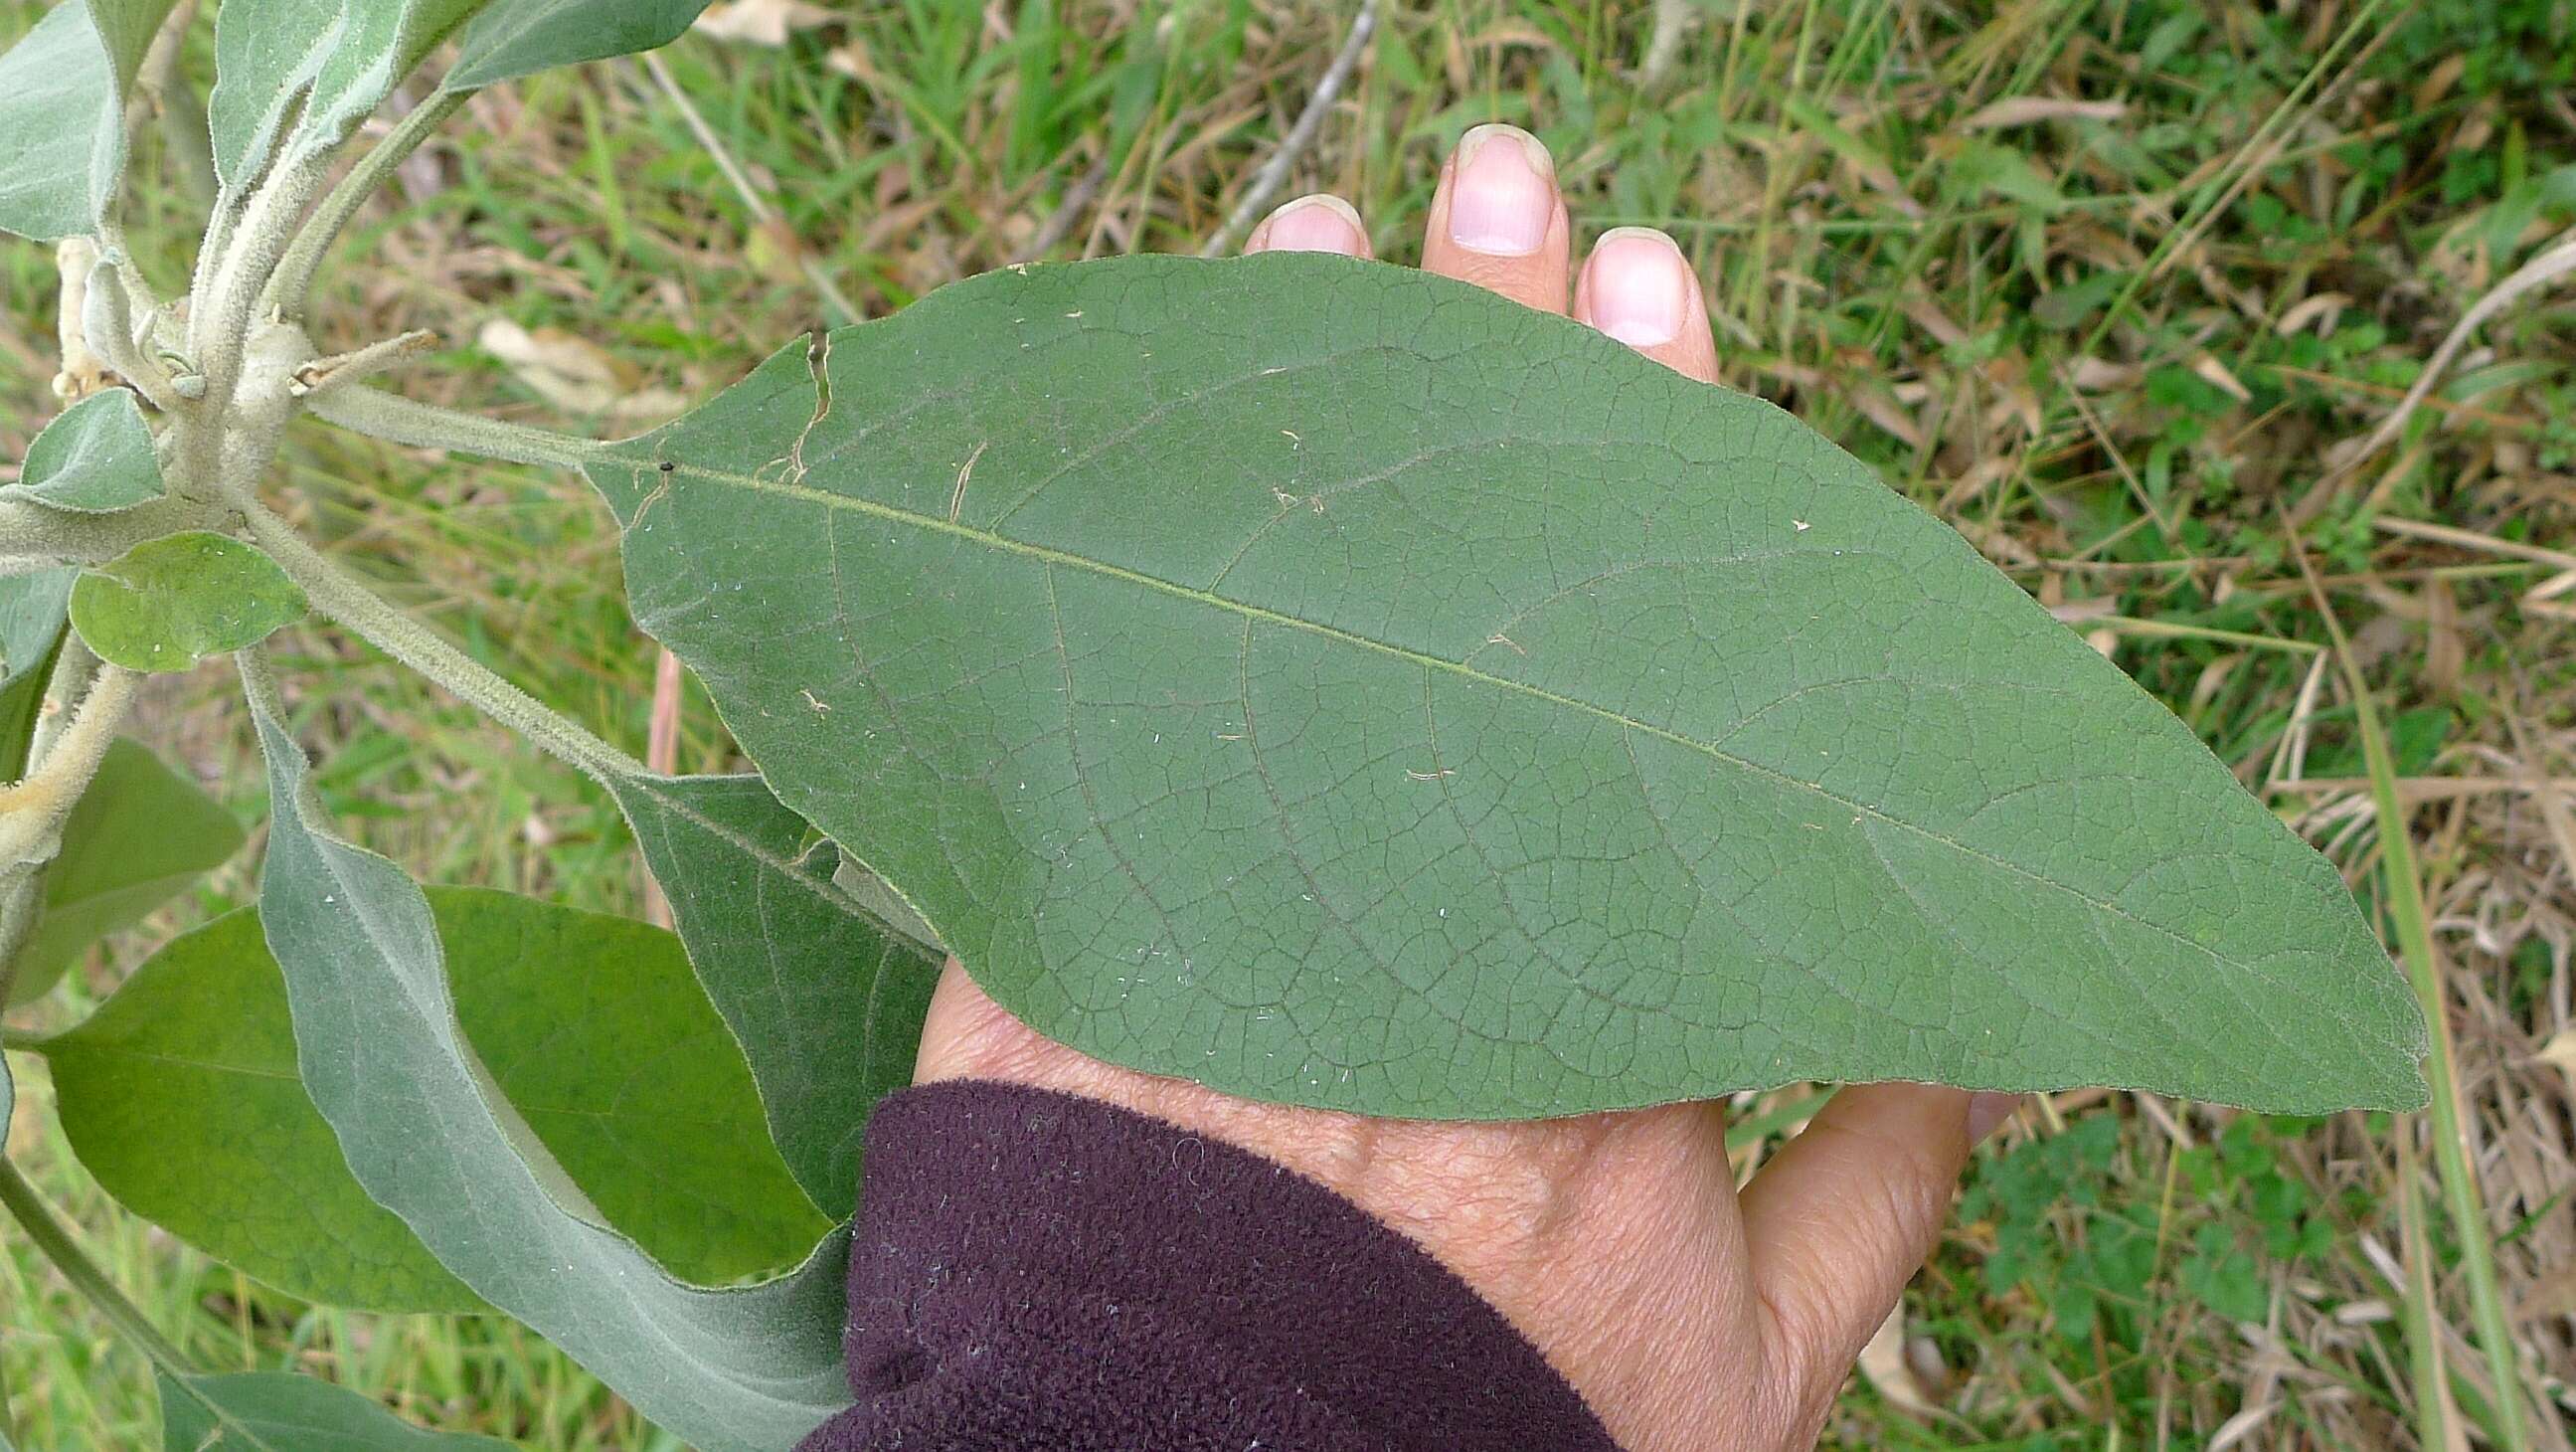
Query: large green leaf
[601, 1038]
[167, 604]
[33, 613]
[139, 835]
[827, 1006]
[747, 1369]
[513, 38]
[62, 109]
[95, 457]
[275, 1411]
[181, 1095]
[1340, 685]
[294, 77]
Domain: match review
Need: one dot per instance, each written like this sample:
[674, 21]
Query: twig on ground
[1059, 222]
[662, 754]
[2553, 262]
[1664, 43]
[1274, 173]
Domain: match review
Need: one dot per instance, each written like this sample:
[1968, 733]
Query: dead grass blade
[2462, 1196]
[2553, 263]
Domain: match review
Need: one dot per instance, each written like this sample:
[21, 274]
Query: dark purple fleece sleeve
[1033, 1270]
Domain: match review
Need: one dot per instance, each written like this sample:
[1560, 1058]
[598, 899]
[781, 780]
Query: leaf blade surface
[62, 106]
[513, 38]
[182, 1096]
[826, 1005]
[275, 1411]
[740, 1369]
[1339, 685]
[168, 603]
[95, 457]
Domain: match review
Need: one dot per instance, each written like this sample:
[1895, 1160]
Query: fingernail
[1986, 1111]
[1639, 286]
[1504, 192]
[1319, 222]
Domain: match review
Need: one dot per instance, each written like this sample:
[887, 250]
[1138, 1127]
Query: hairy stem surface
[380, 623]
[292, 282]
[51, 1237]
[399, 420]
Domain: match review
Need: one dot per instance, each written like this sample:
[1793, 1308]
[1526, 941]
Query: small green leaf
[294, 77]
[33, 616]
[181, 1095]
[1341, 685]
[95, 457]
[742, 1369]
[139, 835]
[167, 604]
[827, 1006]
[513, 38]
[274, 1411]
[62, 111]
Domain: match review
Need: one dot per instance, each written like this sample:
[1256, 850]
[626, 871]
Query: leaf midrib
[1050, 555]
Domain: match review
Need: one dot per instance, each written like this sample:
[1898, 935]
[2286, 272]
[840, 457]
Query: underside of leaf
[1342, 686]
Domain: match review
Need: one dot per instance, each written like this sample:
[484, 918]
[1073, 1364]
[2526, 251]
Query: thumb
[1841, 1219]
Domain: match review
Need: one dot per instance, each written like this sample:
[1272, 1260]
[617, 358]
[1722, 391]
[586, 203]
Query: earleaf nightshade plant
[1314, 678]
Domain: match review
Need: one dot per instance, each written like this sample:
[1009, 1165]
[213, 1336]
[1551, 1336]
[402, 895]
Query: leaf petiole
[342, 597]
[292, 281]
[398, 420]
[55, 1241]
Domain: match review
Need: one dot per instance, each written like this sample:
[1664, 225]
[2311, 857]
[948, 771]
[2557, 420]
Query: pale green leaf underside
[513, 38]
[139, 836]
[1336, 684]
[747, 1369]
[94, 458]
[34, 610]
[294, 77]
[826, 1005]
[62, 103]
[167, 604]
[275, 1411]
[181, 1095]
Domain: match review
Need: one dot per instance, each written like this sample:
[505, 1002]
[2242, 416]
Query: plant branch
[380, 623]
[1274, 172]
[399, 420]
[34, 537]
[21, 889]
[107, 330]
[222, 308]
[83, 371]
[292, 281]
[55, 1241]
[32, 810]
[343, 369]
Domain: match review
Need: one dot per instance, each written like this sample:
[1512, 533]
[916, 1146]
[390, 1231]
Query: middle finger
[1497, 220]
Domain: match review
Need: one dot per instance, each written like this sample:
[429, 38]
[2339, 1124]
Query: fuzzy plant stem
[376, 620]
[54, 1239]
[399, 420]
[292, 281]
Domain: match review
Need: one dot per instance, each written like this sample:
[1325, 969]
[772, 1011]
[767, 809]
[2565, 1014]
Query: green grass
[2065, 335]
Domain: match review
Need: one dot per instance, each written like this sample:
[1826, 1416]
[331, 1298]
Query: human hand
[1682, 1309]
